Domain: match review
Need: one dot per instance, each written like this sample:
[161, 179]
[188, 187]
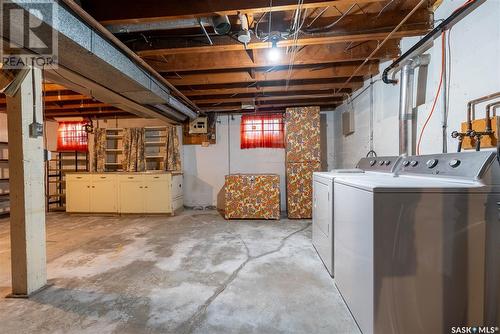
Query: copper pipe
[471, 110]
[493, 105]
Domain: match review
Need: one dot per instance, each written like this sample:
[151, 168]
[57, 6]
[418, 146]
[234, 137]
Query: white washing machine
[420, 253]
[322, 234]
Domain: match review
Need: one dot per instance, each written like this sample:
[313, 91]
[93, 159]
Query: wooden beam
[277, 102]
[268, 74]
[314, 54]
[86, 105]
[274, 107]
[265, 98]
[320, 86]
[304, 41]
[85, 112]
[52, 87]
[61, 98]
[131, 11]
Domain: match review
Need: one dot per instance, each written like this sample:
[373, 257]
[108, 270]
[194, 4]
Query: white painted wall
[475, 48]
[206, 167]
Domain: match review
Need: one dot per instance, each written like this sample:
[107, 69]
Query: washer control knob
[387, 162]
[406, 163]
[414, 163]
[432, 163]
[454, 163]
[372, 162]
[381, 162]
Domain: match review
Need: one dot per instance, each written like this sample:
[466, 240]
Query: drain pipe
[407, 116]
[407, 133]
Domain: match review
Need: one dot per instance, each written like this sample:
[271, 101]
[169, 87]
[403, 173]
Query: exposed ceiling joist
[314, 54]
[352, 28]
[131, 11]
[270, 74]
[283, 88]
[283, 43]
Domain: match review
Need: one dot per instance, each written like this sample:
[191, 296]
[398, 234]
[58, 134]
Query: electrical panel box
[479, 125]
[199, 125]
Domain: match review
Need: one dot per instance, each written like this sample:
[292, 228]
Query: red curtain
[71, 136]
[258, 131]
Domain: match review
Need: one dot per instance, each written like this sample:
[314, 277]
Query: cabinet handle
[93, 186]
[130, 177]
[140, 187]
[145, 186]
[103, 177]
[180, 185]
[88, 186]
[156, 177]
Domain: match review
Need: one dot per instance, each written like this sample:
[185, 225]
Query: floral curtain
[133, 150]
[99, 154]
[172, 152]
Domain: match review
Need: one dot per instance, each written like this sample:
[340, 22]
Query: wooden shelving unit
[114, 150]
[4, 179]
[155, 146]
[155, 141]
[60, 164]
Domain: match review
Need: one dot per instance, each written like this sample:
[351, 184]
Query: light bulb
[273, 54]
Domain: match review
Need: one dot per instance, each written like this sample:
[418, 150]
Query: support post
[26, 165]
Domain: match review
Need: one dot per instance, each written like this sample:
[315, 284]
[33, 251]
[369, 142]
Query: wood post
[27, 212]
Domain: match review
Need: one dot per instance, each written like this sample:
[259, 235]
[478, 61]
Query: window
[71, 136]
[262, 131]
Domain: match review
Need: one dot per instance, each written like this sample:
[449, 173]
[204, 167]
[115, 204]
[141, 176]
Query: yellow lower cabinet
[78, 193]
[123, 193]
[158, 194]
[131, 193]
[103, 194]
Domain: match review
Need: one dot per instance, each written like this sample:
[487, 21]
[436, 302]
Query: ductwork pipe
[407, 116]
[220, 23]
[407, 124]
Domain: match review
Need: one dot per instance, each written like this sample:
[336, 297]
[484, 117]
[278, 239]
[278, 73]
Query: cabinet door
[78, 193]
[131, 194]
[176, 186]
[158, 195]
[103, 195]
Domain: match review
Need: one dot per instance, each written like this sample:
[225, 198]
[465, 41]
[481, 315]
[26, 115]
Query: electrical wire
[443, 46]
[383, 42]
[331, 25]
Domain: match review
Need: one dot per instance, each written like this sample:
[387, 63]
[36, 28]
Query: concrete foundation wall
[475, 71]
[206, 167]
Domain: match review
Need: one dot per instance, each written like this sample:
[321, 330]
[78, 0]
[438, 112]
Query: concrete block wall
[475, 71]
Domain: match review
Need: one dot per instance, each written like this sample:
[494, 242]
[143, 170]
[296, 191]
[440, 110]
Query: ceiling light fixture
[274, 53]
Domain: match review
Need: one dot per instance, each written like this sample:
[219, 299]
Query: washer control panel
[464, 165]
[379, 164]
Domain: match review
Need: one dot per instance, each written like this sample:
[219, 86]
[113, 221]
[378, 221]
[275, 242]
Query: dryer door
[322, 223]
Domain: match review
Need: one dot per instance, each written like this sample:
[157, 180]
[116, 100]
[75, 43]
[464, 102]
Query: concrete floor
[193, 273]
